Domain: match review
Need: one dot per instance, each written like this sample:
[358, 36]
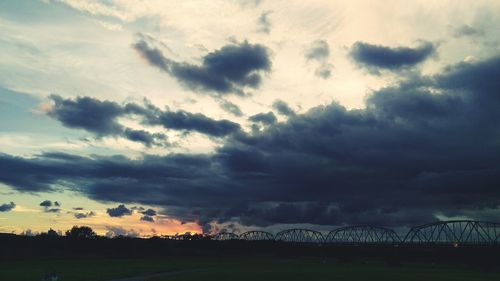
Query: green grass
[86, 269]
[318, 270]
[241, 269]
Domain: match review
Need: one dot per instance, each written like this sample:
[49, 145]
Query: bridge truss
[459, 232]
[256, 236]
[362, 234]
[225, 236]
[300, 236]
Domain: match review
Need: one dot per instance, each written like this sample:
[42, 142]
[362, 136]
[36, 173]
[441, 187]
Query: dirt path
[168, 273]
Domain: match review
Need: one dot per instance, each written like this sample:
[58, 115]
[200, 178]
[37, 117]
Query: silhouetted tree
[83, 232]
[52, 233]
[49, 233]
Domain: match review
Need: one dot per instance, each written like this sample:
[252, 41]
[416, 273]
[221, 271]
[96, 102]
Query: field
[29, 259]
[241, 269]
[316, 269]
[76, 269]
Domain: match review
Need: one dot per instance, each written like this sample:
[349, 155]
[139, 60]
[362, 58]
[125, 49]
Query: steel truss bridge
[255, 235]
[224, 236]
[300, 236]
[362, 234]
[456, 232]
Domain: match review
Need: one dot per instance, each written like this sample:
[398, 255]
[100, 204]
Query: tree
[81, 232]
[52, 233]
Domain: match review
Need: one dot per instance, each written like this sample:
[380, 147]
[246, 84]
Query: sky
[153, 117]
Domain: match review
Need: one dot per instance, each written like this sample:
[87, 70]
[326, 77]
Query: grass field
[87, 269]
[240, 269]
[317, 270]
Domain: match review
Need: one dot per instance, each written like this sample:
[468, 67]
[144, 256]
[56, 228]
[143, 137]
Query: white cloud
[91, 55]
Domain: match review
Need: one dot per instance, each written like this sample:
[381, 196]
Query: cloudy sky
[160, 117]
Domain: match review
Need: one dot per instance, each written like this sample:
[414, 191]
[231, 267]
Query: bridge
[455, 233]
[458, 232]
[255, 235]
[362, 234]
[225, 236]
[297, 235]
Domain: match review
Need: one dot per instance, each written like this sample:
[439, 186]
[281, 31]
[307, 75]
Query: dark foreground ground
[28, 259]
[238, 269]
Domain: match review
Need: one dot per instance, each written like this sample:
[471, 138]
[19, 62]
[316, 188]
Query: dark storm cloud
[85, 107]
[264, 118]
[119, 211]
[31, 174]
[44, 170]
[283, 108]
[263, 23]
[144, 137]
[100, 118]
[152, 55]
[320, 213]
[227, 70]
[377, 56]
[147, 218]
[422, 147]
[183, 120]
[87, 113]
[149, 212]
[480, 79]
[84, 215]
[46, 203]
[7, 207]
